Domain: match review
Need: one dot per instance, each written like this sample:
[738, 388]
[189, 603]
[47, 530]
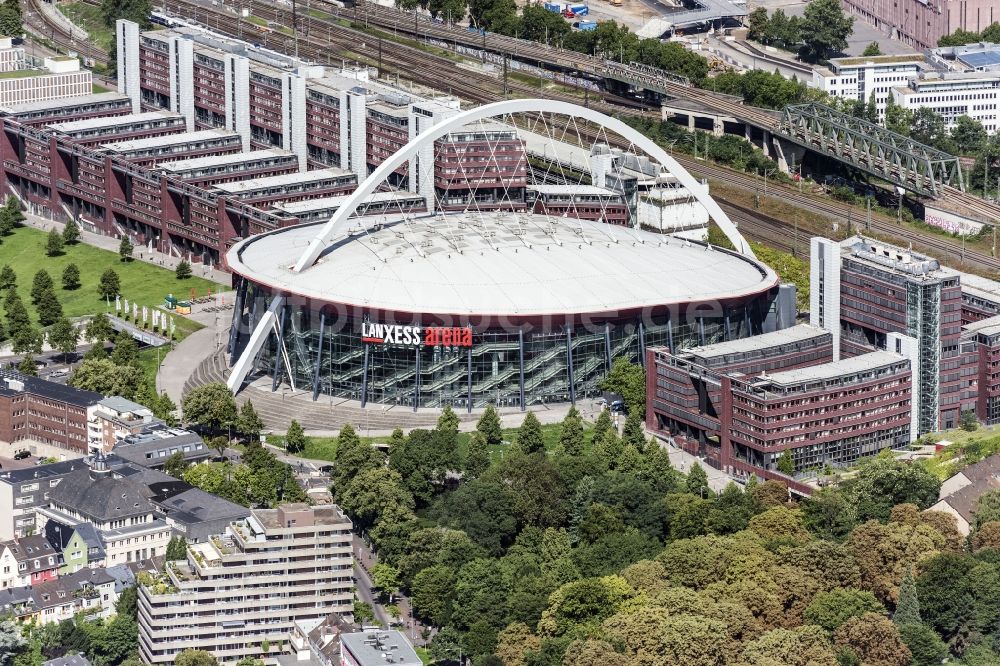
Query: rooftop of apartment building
[720, 350]
[167, 140]
[63, 102]
[826, 371]
[839, 65]
[214, 161]
[376, 648]
[988, 327]
[301, 513]
[895, 259]
[981, 56]
[14, 477]
[14, 383]
[87, 124]
[981, 287]
[335, 202]
[284, 180]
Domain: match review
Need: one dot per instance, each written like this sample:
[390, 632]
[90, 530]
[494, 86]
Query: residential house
[79, 545]
[35, 558]
[960, 493]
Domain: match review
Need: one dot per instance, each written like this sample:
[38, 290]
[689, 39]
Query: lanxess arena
[502, 307]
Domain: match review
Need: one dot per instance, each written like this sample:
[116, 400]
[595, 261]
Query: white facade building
[954, 94]
[857, 78]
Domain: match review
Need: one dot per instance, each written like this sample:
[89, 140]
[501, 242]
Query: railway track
[328, 37]
[60, 36]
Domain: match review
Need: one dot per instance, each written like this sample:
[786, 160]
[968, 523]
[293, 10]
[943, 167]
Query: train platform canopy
[706, 12]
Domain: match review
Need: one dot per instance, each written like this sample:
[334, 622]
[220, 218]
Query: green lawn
[424, 654]
[325, 448]
[89, 18]
[22, 73]
[98, 88]
[141, 282]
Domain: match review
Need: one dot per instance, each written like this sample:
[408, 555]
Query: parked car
[22, 454]
[569, 13]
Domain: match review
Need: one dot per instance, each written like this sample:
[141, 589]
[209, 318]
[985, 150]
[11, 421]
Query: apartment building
[247, 587]
[832, 412]
[954, 94]
[115, 418]
[47, 412]
[872, 289]
[859, 78]
[24, 490]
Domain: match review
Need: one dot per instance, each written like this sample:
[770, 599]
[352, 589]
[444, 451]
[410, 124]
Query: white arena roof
[500, 264]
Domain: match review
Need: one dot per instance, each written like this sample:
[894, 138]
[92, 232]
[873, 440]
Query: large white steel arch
[404, 154]
[326, 233]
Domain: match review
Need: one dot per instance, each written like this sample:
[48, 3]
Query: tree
[478, 459]
[385, 577]
[959, 38]
[126, 351]
[828, 514]
[697, 481]
[27, 366]
[825, 29]
[99, 329]
[249, 424]
[801, 646]
[874, 639]
[571, 433]
[529, 435]
[446, 646]
[71, 277]
[872, 50]
[786, 464]
[11, 641]
[969, 135]
[71, 233]
[125, 249]
[926, 646]
[64, 336]
[54, 244]
[49, 308]
[183, 270]
[603, 425]
[210, 406]
[41, 283]
[191, 657]
[832, 609]
[8, 278]
[175, 465]
[757, 24]
[884, 482]
[107, 377]
[633, 432]
[431, 593]
[489, 426]
[629, 381]
[908, 606]
[295, 438]
[131, 10]
[109, 285]
[448, 421]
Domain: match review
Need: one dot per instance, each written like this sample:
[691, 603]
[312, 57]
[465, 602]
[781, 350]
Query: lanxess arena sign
[415, 336]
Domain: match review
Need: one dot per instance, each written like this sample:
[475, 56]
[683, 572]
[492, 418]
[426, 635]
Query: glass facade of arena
[323, 352]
